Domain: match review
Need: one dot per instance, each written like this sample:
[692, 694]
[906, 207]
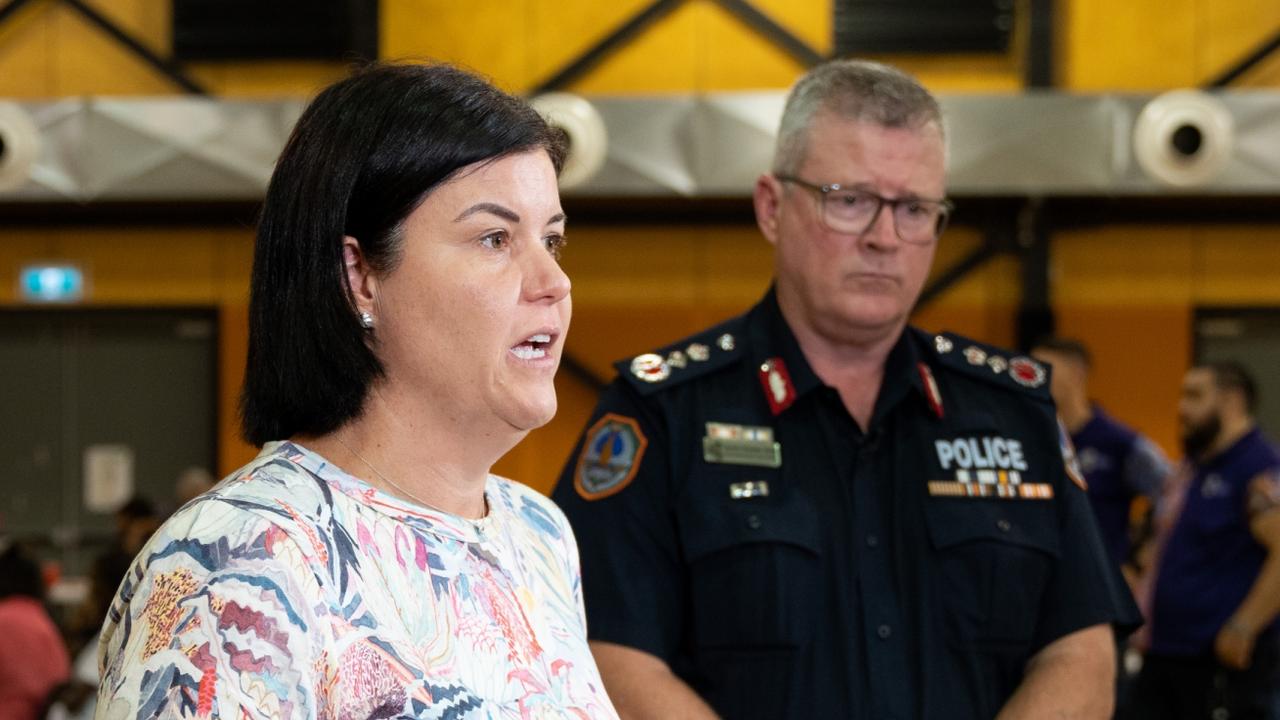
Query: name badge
[749, 489]
[741, 445]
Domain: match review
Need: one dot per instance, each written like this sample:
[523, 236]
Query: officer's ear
[767, 198]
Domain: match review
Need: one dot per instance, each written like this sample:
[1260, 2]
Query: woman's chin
[532, 414]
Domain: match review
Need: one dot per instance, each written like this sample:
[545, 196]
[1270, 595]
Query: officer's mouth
[875, 278]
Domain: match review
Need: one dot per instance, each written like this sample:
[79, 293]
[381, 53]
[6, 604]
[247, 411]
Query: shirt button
[884, 631]
[753, 522]
[1004, 525]
[872, 541]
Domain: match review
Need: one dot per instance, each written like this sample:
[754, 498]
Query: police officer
[815, 511]
[1214, 639]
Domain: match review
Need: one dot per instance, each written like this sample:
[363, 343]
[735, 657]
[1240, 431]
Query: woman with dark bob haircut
[407, 317]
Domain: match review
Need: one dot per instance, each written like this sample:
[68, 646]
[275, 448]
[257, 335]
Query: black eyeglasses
[918, 221]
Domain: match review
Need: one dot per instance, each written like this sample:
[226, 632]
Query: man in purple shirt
[1119, 463]
[1213, 599]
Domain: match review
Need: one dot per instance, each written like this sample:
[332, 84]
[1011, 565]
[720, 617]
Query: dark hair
[1231, 375]
[20, 573]
[137, 508]
[1066, 346]
[361, 158]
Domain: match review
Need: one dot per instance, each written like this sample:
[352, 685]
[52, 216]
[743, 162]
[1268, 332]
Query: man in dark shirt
[1213, 599]
[1119, 464]
[816, 511]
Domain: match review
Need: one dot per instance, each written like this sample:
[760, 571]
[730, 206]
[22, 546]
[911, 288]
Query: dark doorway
[1250, 336]
[83, 386]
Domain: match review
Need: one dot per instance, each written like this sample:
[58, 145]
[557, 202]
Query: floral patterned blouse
[294, 590]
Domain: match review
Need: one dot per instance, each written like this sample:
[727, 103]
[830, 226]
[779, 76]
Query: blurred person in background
[33, 657]
[407, 316]
[1119, 463]
[1120, 466]
[192, 482]
[1212, 637]
[136, 519]
[77, 698]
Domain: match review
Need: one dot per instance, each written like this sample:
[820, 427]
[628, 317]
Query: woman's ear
[364, 284]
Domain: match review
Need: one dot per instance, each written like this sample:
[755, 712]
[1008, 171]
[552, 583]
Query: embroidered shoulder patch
[1069, 460]
[610, 457]
[1264, 493]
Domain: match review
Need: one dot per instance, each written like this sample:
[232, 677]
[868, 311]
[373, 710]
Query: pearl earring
[366, 321]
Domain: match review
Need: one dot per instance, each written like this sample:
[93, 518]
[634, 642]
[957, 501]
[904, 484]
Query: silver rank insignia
[944, 345]
[731, 444]
[997, 364]
[677, 359]
[698, 352]
[650, 368]
[975, 356]
[725, 342]
[749, 489]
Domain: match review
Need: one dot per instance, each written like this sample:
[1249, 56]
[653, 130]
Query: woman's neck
[418, 455]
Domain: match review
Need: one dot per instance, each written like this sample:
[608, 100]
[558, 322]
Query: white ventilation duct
[178, 149]
[19, 146]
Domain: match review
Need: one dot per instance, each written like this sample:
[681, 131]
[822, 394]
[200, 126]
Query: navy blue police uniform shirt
[734, 521]
[1211, 558]
[1119, 466]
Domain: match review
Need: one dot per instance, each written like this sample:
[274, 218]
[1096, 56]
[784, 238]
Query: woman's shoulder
[533, 509]
[270, 496]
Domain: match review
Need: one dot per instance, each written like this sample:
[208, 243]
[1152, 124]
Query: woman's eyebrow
[492, 209]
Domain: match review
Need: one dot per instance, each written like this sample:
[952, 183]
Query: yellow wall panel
[142, 266]
[87, 61]
[663, 59]
[736, 265]
[1123, 264]
[1140, 352]
[267, 79]
[617, 265]
[17, 249]
[1231, 30]
[1237, 266]
[148, 20]
[233, 258]
[560, 31]
[489, 36]
[1131, 45]
[233, 346]
[25, 67]
[733, 56]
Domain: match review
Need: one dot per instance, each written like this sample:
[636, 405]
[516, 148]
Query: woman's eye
[494, 240]
[555, 243]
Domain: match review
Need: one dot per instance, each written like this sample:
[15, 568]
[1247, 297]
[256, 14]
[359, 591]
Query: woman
[33, 658]
[406, 320]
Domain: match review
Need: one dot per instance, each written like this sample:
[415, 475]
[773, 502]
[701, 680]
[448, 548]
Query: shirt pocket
[994, 559]
[754, 563]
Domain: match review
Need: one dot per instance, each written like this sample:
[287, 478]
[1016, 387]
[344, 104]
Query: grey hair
[853, 90]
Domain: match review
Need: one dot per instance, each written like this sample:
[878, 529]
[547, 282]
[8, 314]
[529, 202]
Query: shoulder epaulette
[690, 358]
[988, 363]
